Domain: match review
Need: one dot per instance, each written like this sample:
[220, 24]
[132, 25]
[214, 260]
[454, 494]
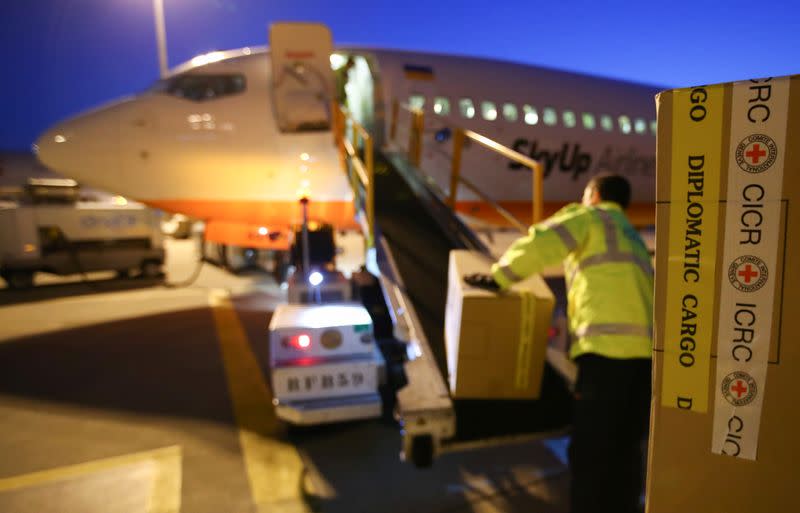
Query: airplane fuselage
[205, 141]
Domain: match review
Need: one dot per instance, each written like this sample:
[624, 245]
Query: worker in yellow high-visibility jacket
[609, 279]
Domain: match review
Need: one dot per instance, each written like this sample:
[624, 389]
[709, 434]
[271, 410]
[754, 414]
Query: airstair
[410, 227]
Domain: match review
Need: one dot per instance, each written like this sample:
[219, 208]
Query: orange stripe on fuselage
[283, 215]
[279, 214]
[248, 235]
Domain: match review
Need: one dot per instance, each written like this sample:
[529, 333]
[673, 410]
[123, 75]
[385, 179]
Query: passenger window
[200, 88]
[549, 116]
[569, 119]
[653, 127]
[531, 115]
[466, 107]
[441, 106]
[489, 111]
[624, 124]
[607, 123]
[640, 126]
[416, 101]
[510, 112]
[588, 121]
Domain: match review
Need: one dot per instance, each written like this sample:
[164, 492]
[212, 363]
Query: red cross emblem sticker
[748, 273]
[739, 388]
[756, 153]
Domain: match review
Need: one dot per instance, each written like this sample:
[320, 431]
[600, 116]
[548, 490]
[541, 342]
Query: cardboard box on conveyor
[724, 428]
[495, 343]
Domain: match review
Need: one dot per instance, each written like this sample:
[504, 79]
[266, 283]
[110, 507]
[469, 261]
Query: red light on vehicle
[301, 342]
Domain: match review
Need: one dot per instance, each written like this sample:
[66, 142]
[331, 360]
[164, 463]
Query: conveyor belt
[420, 232]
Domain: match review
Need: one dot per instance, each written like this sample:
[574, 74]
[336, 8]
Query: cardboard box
[724, 433]
[495, 343]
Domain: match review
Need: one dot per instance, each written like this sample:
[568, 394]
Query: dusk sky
[64, 56]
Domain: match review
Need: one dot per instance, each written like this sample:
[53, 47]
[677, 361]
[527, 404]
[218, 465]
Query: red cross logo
[756, 153]
[748, 273]
[740, 388]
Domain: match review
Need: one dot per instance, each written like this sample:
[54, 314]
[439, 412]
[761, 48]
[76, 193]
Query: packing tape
[522, 377]
[697, 118]
[756, 162]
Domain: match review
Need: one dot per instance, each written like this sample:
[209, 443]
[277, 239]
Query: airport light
[315, 278]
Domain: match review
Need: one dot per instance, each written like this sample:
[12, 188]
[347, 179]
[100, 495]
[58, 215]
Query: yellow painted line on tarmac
[274, 467]
[165, 494]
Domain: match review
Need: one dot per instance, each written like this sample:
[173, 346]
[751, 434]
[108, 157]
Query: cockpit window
[199, 88]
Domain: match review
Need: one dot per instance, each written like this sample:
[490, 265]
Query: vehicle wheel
[19, 279]
[422, 451]
[123, 274]
[151, 269]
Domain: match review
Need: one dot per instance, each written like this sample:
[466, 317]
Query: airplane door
[302, 78]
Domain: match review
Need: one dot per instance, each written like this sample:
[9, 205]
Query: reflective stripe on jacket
[608, 272]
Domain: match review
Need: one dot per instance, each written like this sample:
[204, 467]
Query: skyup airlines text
[572, 159]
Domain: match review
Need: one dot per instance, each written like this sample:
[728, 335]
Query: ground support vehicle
[50, 230]
[325, 363]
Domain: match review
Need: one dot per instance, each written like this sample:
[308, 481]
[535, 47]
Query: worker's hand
[482, 281]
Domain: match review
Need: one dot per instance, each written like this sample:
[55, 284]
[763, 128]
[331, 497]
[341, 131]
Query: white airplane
[236, 137]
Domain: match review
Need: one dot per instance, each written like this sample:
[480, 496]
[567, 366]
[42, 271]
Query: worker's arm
[547, 243]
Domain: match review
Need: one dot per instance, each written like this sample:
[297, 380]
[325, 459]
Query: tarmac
[126, 396]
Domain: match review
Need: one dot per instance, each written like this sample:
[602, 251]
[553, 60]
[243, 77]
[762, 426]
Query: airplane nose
[85, 148]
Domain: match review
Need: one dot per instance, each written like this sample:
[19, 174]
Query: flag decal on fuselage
[415, 72]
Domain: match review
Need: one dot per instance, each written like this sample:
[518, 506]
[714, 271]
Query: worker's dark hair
[614, 188]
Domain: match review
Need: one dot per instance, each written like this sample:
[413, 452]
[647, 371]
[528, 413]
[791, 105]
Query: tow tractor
[325, 363]
[326, 366]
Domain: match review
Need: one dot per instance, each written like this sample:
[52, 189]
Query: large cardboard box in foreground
[495, 343]
[725, 430]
